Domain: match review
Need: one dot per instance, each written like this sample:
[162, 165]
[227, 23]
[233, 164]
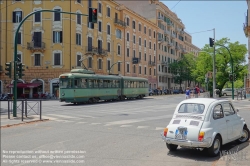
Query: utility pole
[214, 69]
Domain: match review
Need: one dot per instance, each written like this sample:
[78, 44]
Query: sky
[226, 16]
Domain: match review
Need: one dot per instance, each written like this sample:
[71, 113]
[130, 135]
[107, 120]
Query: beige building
[50, 44]
[246, 28]
[172, 40]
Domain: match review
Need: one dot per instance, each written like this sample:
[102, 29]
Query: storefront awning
[23, 85]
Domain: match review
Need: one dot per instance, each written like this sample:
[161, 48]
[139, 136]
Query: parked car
[205, 123]
[150, 92]
[228, 92]
[176, 91]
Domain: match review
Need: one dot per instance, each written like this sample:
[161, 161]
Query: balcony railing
[166, 32]
[165, 63]
[160, 40]
[96, 51]
[36, 46]
[177, 47]
[160, 18]
[151, 63]
[170, 44]
[173, 35]
[120, 23]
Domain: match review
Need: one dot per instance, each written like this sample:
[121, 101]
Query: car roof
[205, 101]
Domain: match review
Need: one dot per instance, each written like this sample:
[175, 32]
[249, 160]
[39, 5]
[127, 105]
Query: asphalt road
[104, 134]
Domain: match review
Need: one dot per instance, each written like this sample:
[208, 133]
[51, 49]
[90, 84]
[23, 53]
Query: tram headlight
[63, 94]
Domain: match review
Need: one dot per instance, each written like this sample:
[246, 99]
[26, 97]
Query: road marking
[159, 128]
[47, 117]
[67, 121]
[129, 121]
[71, 117]
[125, 125]
[142, 127]
[95, 123]
[82, 122]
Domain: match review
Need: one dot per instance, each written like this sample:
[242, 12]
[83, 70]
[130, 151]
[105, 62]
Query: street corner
[16, 122]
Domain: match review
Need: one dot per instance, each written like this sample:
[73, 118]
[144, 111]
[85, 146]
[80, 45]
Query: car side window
[218, 112]
[228, 109]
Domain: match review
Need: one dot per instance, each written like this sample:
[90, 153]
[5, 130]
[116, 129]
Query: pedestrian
[188, 93]
[196, 91]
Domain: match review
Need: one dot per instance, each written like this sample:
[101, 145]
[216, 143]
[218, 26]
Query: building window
[134, 39]
[79, 1]
[99, 63]
[57, 15]
[38, 17]
[108, 47]
[108, 29]
[57, 36]
[118, 33]
[150, 71]
[134, 69]
[19, 58]
[118, 49]
[100, 46]
[145, 43]
[145, 30]
[145, 56]
[140, 27]
[78, 62]
[78, 39]
[127, 52]
[154, 34]
[57, 59]
[154, 72]
[89, 62]
[139, 41]
[159, 68]
[127, 36]
[154, 46]
[37, 60]
[134, 53]
[119, 66]
[133, 24]
[99, 8]
[108, 65]
[139, 69]
[108, 11]
[79, 19]
[140, 55]
[127, 68]
[149, 32]
[149, 45]
[99, 26]
[17, 16]
[145, 70]
[127, 21]
[19, 40]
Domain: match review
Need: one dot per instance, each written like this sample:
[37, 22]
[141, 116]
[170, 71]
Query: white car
[205, 123]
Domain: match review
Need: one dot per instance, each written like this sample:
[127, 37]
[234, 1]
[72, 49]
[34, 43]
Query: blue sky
[227, 17]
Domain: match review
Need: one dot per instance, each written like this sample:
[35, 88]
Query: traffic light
[8, 69]
[92, 15]
[211, 42]
[231, 79]
[20, 69]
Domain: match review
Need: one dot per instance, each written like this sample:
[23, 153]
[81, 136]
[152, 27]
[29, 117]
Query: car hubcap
[244, 136]
[216, 146]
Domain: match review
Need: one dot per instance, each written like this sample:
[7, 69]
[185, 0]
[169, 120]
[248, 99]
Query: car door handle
[227, 120]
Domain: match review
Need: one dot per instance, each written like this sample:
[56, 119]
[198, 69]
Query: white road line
[125, 125]
[82, 122]
[159, 128]
[48, 117]
[129, 121]
[95, 123]
[142, 127]
[68, 121]
[71, 117]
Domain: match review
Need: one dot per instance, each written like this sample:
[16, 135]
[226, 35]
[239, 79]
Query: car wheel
[171, 147]
[245, 135]
[214, 150]
[224, 94]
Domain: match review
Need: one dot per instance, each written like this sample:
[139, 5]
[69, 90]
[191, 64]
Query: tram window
[84, 83]
[131, 84]
[125, 84]
[95, 84]
[100, 83]
[91, 83]
[63, 83]
[77, 83]
[105, 83]
[118, 84]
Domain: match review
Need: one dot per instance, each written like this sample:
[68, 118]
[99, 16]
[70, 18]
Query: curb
[23, 123]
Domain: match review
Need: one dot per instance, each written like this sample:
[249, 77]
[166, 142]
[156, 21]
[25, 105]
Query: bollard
[22, 109]
[26, 108]
[8, 108]
[40, 109]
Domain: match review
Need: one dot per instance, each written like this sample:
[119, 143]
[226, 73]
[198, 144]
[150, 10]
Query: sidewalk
[14, 121]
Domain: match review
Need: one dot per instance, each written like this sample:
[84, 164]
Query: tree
[223, 67]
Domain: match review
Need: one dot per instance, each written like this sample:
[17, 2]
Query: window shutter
[76, 39]
[54, 36]
[61, 37]
[21, 17]
[14, 17]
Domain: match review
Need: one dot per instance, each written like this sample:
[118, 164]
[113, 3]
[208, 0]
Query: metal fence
[26, 107]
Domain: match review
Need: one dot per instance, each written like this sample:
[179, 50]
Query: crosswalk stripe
[159, 128]
[125, 125]
[142, 127]
[95, 123]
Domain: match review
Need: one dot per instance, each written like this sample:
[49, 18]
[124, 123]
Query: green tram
[80, 86]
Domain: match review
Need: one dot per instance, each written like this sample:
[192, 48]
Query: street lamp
[214, 72]
[113, 65]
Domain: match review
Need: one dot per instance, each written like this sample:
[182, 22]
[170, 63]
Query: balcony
[170, 44]
[120, 23]
[136, 60]
[96, 51]
[166, 32]
[164, 63]
[170, 24]
[177, 47]
[36, 46]
[151, 63]
[160, 18]
[160, 40]
[184, 50]
[173, 35]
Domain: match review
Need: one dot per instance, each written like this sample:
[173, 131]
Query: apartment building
[246, 29]
[50, 44]
[140, 46]
[172, 40]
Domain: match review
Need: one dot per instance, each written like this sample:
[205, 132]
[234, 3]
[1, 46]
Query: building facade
[246, 29]
[50, 44]
[172, 40]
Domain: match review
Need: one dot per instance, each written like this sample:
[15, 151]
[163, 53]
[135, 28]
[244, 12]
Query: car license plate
[181, 134]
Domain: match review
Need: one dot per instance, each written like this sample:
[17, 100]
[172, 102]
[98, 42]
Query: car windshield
[191, 108]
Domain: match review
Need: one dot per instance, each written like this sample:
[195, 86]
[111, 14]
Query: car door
[233, 122]
[219, 122]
